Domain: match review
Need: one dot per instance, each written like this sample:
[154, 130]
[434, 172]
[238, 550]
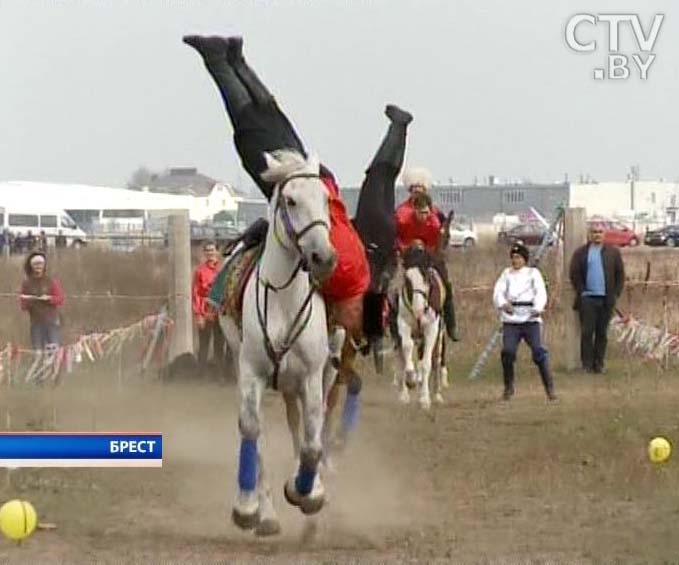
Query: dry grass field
[475, 480]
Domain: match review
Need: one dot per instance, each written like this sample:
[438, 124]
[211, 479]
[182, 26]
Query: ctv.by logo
[618, 66]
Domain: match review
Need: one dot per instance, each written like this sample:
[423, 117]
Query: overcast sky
[91, 90]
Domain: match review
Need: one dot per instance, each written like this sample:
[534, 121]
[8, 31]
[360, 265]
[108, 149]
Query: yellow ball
[659, 450]
[18, 519]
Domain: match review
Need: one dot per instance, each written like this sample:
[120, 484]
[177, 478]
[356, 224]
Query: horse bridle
[282, 206]
[408, 301]
[296, 329]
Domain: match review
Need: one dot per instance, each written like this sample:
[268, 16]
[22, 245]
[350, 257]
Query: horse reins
[407, 302]
[295, 330]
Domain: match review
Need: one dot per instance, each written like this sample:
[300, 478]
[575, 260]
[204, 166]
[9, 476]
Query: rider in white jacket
[520, 296]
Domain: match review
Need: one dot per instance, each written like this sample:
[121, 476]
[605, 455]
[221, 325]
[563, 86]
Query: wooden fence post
[180, 287]
[575, 235]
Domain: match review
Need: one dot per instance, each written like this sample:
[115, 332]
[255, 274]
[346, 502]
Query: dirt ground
[476, 480]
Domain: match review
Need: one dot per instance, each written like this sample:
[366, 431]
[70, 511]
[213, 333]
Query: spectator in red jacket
[206, 318]
[41, 297]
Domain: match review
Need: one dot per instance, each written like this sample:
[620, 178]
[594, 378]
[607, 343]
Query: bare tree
[140, 178]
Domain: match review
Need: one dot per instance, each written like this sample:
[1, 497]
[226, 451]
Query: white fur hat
[417, 176]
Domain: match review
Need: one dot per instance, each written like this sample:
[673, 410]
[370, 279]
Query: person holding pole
[520, 296]
[597, 273]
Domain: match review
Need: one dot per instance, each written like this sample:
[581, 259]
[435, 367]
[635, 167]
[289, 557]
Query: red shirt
[351, 276]
[203, 277]
[409, 228]
[42, 311]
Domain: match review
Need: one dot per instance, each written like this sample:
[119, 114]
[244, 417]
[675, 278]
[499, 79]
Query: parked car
[528, 234]
[462, 234]
[667, 236]
[616, 233]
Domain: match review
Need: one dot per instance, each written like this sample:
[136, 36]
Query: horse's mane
[284, 162]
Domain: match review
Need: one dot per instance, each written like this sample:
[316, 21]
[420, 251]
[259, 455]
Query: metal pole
[180, 287]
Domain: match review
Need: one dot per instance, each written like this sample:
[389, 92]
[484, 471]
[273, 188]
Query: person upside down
[259, 127]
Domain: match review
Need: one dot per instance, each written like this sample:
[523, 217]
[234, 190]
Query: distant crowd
[18, 244]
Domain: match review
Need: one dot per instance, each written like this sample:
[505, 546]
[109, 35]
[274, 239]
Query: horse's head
[301, 220]
[417, 283]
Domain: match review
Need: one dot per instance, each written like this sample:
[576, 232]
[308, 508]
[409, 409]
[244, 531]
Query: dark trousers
[595, 316]
[530, 332]
[212, 330]
[259, 129]
[44, 334]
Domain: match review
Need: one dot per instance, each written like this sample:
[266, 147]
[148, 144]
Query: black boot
[508, 376]
[547, 381]
[449, 313]
[397, 115]
[393, 146]
[213, 51]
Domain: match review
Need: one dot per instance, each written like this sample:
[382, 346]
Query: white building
[650, 201]
[110, 208]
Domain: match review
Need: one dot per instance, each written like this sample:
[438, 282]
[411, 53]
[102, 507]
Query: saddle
[233, 279]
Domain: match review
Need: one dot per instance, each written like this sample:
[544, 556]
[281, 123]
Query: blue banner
[60, 446]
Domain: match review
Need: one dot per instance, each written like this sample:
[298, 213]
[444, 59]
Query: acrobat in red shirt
[409, 228]
[351, 277]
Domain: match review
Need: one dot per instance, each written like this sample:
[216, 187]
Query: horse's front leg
[293, 417]
[336, 339]
[408, 377]
[331, 388]
[246, 507]
[306, 489]
[268, 524]
[438, 363]
[430, 338]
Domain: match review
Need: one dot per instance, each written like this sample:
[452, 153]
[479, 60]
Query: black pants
[595, 316]
[259, 129]
[212, 330]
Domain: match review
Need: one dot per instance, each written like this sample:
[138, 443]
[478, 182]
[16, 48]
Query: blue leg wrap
[247, 470]
[305, 481]
[350, 412]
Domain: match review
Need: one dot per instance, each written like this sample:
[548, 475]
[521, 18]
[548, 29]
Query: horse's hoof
[404, 397]
[444, 378]
[268, 527]
[425, 403]
[411, 379]
[310, 505]
[290, 492]
[245, 521]
[438, 398]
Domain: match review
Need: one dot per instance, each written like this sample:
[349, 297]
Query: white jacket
[524, 285]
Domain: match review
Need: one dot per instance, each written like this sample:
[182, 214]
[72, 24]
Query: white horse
[421, 329]
[284, 340]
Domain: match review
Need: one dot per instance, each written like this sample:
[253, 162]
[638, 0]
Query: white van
[20, 219]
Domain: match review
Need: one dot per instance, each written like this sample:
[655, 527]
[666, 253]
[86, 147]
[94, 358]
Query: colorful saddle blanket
[229, 285]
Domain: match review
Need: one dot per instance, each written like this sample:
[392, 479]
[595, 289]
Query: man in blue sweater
[598, 276]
